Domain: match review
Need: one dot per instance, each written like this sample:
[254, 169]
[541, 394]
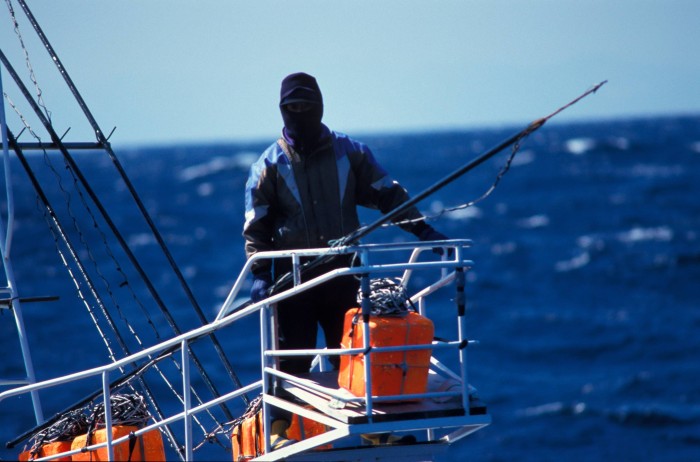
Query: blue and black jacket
[298, 201]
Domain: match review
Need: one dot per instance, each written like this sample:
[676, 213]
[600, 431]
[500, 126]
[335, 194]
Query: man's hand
[261, 287]
[430, 234]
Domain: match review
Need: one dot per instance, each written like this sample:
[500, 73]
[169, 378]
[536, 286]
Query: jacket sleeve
[259, 223]
[376, 189]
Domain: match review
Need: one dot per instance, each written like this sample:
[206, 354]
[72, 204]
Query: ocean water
[584, 295]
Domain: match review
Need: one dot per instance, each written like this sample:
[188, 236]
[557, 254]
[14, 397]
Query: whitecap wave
[578, 146]
[657, 414]
[503, 248]
[578, 261]
[523, 158]
[535, 221]
[216, 165]
[661, 233]
[205, 189]
[141, 239]
[555, 408]
[465, 214]
[590, 242]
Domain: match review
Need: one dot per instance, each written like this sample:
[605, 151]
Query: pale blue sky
[191, 71]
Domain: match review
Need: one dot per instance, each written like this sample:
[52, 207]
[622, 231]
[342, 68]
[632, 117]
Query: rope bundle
[388, 297]
[69, 426]
[127, 409]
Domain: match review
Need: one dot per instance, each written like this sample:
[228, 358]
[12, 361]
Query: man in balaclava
[303, 193]
[301, 104]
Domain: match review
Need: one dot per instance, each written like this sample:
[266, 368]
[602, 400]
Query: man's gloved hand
[430, 234]
[261, 286]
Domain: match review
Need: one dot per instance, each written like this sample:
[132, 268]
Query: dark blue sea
[584, 296]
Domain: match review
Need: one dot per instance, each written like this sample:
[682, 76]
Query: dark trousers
[298, 319]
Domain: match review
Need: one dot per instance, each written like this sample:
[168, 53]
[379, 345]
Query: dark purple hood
[303, 130]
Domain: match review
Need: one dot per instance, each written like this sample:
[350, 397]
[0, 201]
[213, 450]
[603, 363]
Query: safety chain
[32, 76]
[225, 429]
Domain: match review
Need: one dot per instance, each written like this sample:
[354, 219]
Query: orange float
[147, 447]
[393, 373]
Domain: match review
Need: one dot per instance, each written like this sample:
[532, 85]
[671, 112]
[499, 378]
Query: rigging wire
[65, 260]
[57, 230]
[154, 230]
[159, 302]
[48, 211]
[130, 327]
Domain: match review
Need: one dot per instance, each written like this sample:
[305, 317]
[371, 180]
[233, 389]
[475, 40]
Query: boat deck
[316, 389]
[355, 412]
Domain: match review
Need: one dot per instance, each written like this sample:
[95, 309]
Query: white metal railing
[228, 315]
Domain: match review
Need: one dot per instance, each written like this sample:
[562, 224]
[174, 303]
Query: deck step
[354, 413]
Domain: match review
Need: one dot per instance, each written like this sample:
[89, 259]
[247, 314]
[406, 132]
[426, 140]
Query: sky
[183, 72]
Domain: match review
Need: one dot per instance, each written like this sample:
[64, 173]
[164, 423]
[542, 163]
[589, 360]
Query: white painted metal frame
[10, 290]
[228, 315]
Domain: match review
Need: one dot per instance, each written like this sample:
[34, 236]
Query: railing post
[366, 310]
[460, 300]
[266, 322]
[108, 414]
[187, 399]
[296, 270]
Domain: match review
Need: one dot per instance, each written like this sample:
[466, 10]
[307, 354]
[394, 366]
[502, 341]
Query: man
[302, 193]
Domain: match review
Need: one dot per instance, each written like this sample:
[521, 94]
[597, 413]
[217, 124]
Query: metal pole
[108, 414]
[186, 399]
[366, 309]
[5, 249]
[267, 322]
[460, 301]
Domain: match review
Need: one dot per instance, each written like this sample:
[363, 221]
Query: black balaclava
[303, 129]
